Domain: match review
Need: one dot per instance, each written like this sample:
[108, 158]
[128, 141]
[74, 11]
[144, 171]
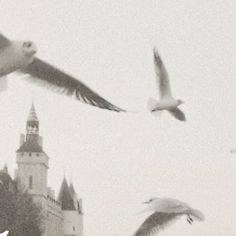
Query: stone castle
[63, 216]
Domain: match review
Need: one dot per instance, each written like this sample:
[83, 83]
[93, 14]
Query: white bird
[20, 56]
[166, 101]
[165, 211]
[4, 233]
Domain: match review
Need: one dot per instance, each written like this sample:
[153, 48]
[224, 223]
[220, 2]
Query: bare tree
[18, 213]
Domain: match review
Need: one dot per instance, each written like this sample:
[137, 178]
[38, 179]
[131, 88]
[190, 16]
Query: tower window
[30, 154]
[31, 182]
[73, 228]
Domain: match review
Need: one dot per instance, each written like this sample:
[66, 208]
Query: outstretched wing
[4, 42]
[48, 75]
[178, 114]
[162, 76]
[156, 222]
[5, 233]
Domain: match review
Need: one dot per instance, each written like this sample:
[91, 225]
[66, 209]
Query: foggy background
[116, 161]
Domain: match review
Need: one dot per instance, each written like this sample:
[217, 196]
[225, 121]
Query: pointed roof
[65, 197]
[72, 190]
[31, 145]
[77, 202]
[32, 114]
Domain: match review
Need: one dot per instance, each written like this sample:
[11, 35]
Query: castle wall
[54, 220]
[73, 223]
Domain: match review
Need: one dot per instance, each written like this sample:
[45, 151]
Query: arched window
[30, 182]
[73, 228]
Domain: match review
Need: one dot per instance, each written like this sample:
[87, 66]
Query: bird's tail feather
[151, 105]
[196, 215]
[3, 83]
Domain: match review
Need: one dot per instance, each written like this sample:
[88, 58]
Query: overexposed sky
[116, 161]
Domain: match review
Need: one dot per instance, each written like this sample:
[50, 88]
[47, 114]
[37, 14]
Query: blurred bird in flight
[20, 56]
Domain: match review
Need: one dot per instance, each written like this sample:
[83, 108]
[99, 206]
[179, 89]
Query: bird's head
[151, 204]
[29, 48]
[180, 102]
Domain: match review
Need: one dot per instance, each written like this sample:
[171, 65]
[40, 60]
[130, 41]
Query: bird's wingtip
[156, 55]
[155, 51]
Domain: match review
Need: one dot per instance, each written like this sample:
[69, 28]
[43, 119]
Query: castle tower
[62, 217]
[32, 161]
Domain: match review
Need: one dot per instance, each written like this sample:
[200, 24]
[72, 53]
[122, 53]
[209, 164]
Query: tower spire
[32, 114]
[32, 124]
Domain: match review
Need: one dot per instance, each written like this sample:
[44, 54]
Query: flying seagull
[20, 56]
[166, 102]
[165, 211]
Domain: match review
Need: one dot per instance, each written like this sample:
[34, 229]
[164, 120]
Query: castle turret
[77, 202]
[67, 202]
[73, 219]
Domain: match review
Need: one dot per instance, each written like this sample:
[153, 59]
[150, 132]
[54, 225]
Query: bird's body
[166, 101]
[20, 56]
[165, 104]
[167, 205]
[164, 211]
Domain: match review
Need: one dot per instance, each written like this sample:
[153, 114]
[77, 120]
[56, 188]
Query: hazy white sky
[118, 160]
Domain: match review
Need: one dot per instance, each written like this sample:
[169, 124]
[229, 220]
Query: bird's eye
[27, 44]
